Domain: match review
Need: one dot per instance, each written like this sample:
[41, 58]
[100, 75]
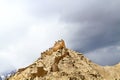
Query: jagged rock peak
[61, 63]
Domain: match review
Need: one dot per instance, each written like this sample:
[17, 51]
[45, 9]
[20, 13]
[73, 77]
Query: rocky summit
[61, 63]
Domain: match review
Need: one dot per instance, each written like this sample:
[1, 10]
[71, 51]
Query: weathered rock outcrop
[61, 63]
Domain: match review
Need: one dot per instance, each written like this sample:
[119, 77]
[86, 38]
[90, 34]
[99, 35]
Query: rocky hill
[61, 63]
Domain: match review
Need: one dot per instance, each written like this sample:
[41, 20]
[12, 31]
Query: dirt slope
[61, 63]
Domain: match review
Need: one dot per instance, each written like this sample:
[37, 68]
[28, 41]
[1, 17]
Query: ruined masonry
[61, 63]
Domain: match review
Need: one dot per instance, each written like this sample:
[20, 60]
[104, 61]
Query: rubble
[61, 63]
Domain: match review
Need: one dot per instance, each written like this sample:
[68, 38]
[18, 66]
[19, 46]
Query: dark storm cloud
[95, 37]
[95, 24]
[98, 25]
[106, 56]
[28, 27]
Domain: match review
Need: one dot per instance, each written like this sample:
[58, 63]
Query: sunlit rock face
[61, 63]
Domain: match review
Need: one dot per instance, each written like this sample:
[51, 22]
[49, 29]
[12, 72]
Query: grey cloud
[48, 8]
[93, 11]
[95, 24]
[91, 25]
[87, 26]
[98, 25]
[94, 38]
[105, 56]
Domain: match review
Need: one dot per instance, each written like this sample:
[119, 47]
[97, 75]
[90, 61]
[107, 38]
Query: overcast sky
[29, 27]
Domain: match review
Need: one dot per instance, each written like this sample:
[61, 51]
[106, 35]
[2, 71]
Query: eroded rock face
[40, 73]
[59, 45]
[60, 63]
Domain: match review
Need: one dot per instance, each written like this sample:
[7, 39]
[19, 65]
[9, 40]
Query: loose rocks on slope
[61, 63]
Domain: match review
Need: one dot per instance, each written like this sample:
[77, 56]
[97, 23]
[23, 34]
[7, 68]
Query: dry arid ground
[61, 63]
